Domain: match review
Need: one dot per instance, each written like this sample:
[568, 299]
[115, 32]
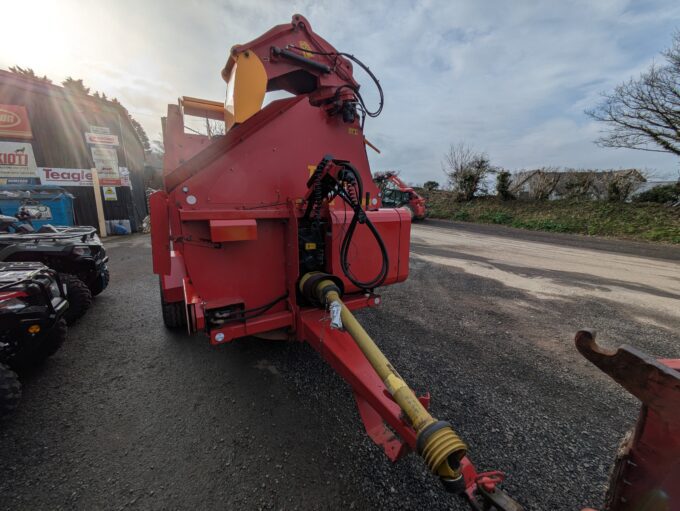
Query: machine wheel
[101, 282]
[51, 343]
[10, 390]
[174, 315]
[79, 297]
[34, 351]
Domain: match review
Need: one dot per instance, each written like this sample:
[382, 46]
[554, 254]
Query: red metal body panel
[279, 70]
[179, 146]
[160, 235]
[225, 183]
[394, 226]
[172, 284]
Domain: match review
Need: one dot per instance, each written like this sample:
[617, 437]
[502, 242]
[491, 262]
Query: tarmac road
[130, 416]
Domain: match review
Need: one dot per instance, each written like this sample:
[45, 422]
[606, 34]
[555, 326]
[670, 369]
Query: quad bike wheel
[79, 297]
[101, 282]
[35, 351]
[51, 342]
[174, 315]
[10, 390]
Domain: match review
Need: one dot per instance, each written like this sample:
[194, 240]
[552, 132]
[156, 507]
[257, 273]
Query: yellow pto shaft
[436, 441]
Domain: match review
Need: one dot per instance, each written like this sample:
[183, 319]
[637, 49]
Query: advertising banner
[106, 163]
[76, 177]
[100, 130]
[101, 139]
[109, 193]
[17, 164]
[65, 177]
[14, 122]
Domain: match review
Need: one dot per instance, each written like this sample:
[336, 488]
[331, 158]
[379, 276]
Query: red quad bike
[276, 230]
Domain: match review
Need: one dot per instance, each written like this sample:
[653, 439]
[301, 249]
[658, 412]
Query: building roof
[88, 101]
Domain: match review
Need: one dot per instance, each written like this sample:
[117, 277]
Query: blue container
[46, 204]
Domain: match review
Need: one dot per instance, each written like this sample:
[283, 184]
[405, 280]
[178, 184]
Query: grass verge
[639, 221]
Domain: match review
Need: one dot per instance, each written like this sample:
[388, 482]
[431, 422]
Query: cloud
[510, 78]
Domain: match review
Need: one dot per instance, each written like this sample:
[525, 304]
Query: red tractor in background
[397, 194]
[276, 230]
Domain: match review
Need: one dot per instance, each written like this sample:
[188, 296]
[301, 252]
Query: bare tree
[644, 113]
[579, 184]
[543, 182]
[619, 186]
[465, 170]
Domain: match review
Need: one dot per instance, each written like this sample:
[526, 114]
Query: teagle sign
[14, 122]
[66, 177]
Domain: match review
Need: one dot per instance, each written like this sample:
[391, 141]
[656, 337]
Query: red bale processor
[276, 230]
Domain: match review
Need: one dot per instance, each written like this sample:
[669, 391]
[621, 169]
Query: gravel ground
[130, 416]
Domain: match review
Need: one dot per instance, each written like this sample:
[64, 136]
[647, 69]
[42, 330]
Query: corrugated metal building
[68, 131]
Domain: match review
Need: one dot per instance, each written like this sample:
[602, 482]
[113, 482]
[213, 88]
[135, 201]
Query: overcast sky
[509, 78]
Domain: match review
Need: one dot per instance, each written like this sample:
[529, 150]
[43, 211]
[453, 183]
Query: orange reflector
[233, 230]
[34, 329]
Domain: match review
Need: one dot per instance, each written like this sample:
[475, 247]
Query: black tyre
[51, 342]
[79, 297]
[174, 315]
[34, 351]
[10, 390]
[101, 282]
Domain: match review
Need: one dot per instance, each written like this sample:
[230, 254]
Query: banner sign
[65, 177]
[17, 163]
[101, 139]
[14, 122]
[75, 177]
[125, 177]
[100, 130]
[110, 193]
[106, 163]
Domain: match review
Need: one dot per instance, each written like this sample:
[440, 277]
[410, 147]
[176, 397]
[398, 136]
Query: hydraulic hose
[354, 201]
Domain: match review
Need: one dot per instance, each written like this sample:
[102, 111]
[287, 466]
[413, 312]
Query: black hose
[247, 314]
[351, 57]
[354, 201]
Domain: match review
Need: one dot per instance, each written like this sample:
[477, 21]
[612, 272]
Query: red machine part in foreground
[285, 198]
[287, 192]
[646, 475]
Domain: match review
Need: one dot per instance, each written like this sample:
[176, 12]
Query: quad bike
[32, 326]
[76, 253]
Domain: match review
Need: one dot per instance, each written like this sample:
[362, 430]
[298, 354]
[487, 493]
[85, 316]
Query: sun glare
[49, 45]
